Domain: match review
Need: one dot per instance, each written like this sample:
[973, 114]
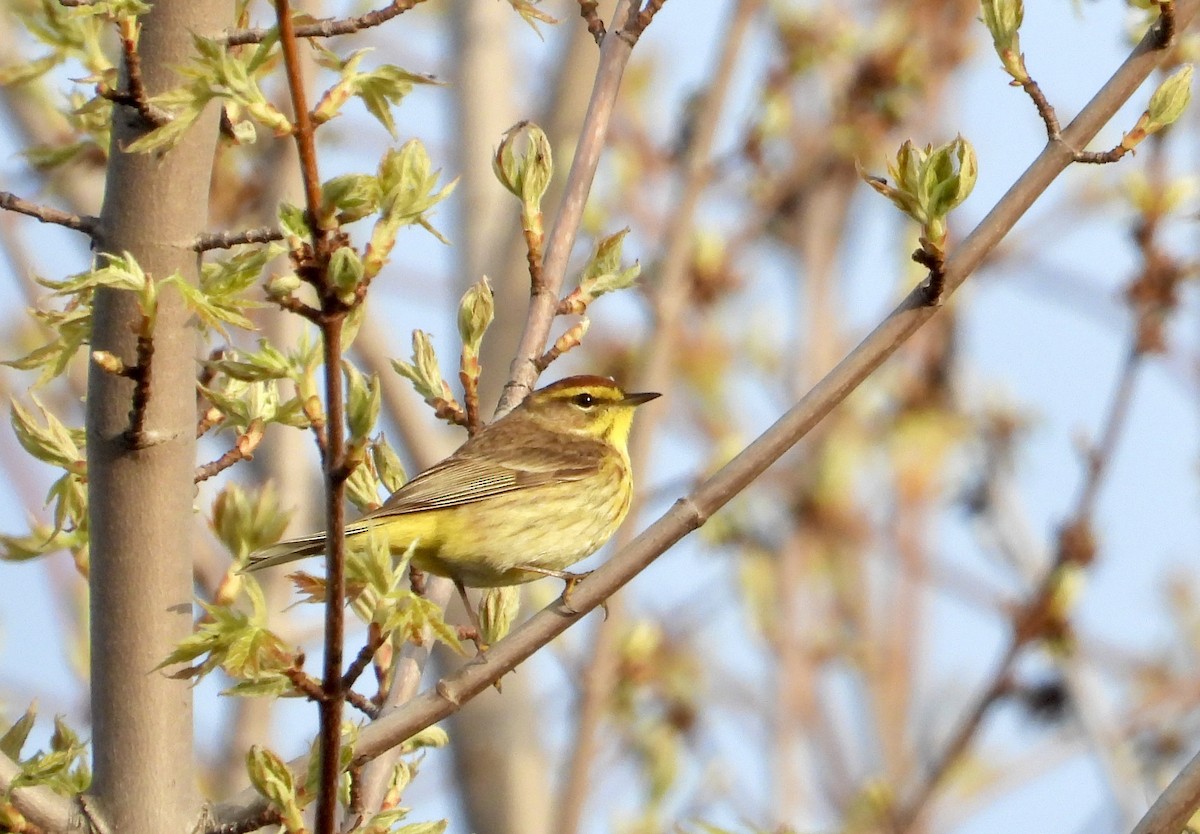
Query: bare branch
[243, 449]
[1175, 806]
[327, 28]
[637, 23]
[79, 223]
[375, 639]
[313, 267]
[228, 240]
[587, 10]
[135, 96]
[669, 301]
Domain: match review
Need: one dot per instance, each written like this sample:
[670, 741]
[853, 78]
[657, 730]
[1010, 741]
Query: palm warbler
[527, 496]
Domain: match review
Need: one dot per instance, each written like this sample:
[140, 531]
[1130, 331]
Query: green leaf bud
[1170, 99]
[475, 312]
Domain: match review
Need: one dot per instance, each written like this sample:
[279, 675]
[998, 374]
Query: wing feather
[477, 472]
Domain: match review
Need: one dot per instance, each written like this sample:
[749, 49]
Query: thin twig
[1108, 157]
[903, 818]
[327, 28]
[637, 23]
[294, 305]
[141, 374]
[470, 384]
[306, 145]
[362, 703]
[332, 317]
[1176, 805]
[268, 816]
[354, 809]
[534, 257]
[228, 240]
[595, 26]
[375, 639]
[1034, 618]
[243, 449]
[211, 417]
[1101, 455]
[79, 223]
[1044, 108]
[135, 96]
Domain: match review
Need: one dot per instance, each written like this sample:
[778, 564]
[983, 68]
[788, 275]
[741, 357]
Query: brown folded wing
[489, 466]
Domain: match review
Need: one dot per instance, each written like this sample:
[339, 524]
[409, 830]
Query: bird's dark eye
[584, 400]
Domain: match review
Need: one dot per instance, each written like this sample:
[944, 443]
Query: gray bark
[141, 499]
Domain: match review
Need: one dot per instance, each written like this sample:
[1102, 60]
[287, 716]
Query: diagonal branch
[1176, 805]
[523, 372]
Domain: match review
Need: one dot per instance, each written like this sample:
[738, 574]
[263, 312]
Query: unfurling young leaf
[526, 174]
[408, 190]
[1166, 105]
[246, 520]
[49, 440]
[346, 273]
[387, 465]
[1170, 99]
[362, 403]
[927, 184]
[14, 737]
[427, 379]
[1003, 19]
[498, 611]
[475, 313]
[603, 274]
[271, 777]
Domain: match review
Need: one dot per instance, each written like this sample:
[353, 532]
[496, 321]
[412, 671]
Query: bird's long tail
[301, 547]
[286, 551]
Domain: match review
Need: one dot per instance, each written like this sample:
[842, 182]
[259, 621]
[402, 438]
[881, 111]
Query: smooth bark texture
[141, 499]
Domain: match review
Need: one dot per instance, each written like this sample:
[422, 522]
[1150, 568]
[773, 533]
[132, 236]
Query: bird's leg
[571, 578]
[473, 616]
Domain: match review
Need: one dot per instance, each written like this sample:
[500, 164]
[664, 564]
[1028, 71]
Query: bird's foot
[472, 633]
[571, 579]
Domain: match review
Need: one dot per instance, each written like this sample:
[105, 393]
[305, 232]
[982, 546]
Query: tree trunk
[141, 498]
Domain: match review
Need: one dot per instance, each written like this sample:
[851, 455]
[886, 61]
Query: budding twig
[243, 449]
[79, 223]
[595, 26]
[327, 28]
[140, 373]
[228, 240]
[375, 639]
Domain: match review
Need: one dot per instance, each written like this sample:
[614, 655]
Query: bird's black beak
[638, 399]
